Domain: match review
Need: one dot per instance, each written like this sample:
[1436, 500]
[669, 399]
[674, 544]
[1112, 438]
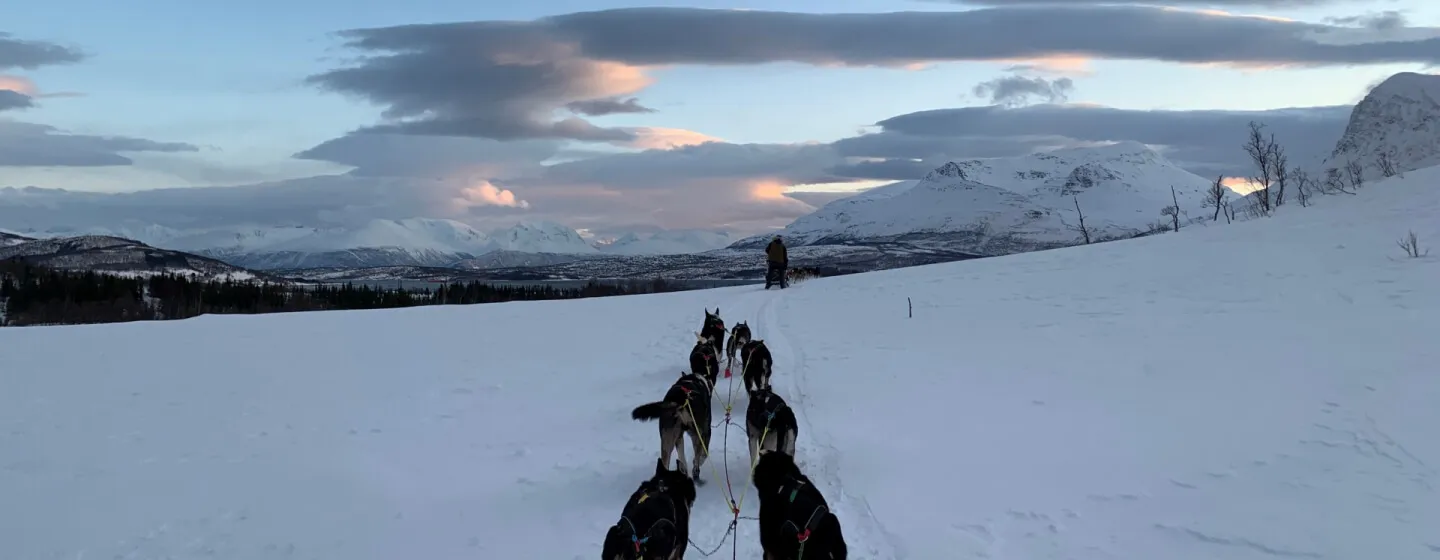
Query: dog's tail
[653, 411]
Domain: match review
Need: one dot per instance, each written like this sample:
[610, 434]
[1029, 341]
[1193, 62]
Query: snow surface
[1005, 205]
[1257, 390]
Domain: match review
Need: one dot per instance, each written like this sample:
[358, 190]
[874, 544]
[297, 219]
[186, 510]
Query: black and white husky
[704, 360]
[739, 336]
[714, 329]
[685, 409]
[770, 423]
[795, 520]
[655, 523]
[755, 365]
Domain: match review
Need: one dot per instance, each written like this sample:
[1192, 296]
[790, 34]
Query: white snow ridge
[1259, 390]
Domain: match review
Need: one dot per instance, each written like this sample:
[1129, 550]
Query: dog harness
[802, 532]
[639, 542]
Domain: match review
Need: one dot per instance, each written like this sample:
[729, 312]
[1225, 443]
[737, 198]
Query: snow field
[1259, 390]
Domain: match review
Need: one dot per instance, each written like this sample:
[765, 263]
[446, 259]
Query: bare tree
[1084, 232]
[1386, 162]
[1302, 185]
[1229, 212]
[1174, 210]
[1215, 197]
[1355, 173]
[1262, 153]
[1281, 165]
[1411, 246]
[1334, 182]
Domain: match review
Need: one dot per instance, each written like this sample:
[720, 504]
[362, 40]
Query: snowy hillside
[674, 242]
[7, 239]
[1008, 205]
[1396, 126]
[121, 256]
[1057, 404]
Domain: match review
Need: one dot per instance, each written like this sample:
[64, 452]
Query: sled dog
[714, 329]
[755, 365]
[704, 360]
[738, 337]
[770, 423]
[793, 513]
[655, 523]
[685, 409]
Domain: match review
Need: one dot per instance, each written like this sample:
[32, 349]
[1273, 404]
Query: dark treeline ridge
[34, 295]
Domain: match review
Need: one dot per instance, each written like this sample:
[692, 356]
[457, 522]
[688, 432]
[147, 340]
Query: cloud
[30, 54]
[1021, 90]
[1387, 20]
[653, 138]
[10, 99]
[401, 155]
[487, 194]
[29, 144]
[506, 79]
[599, 107]
[330, 199]
[1204, 142]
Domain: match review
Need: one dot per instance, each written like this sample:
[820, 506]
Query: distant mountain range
[999, 206]
[407, 242]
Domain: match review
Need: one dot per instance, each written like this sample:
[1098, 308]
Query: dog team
[795, 520]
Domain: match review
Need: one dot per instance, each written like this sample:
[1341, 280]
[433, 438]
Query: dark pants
[776, 275]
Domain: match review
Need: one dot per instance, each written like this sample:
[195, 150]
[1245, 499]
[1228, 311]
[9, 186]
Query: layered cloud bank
[493, 120]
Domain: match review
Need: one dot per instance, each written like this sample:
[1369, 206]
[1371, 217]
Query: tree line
[34, 295]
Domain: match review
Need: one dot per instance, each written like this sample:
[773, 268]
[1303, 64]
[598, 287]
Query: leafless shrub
[1355, 173]
[1173, 211]
[1386, 162]
[1302, 185]
[1215, 197]
[1411, 245]
[1281, 171]
[1084, 232]
[1334, 182]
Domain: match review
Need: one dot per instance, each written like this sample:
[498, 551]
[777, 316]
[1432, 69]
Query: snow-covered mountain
[669, 242]
[121, 256]
[1007, 205]
[406, 242]
[1394, 129]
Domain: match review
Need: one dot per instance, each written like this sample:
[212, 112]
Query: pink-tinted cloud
[657, 138]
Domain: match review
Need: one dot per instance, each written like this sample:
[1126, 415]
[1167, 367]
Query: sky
[611, 117]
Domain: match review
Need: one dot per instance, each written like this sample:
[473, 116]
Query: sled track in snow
[818, 457]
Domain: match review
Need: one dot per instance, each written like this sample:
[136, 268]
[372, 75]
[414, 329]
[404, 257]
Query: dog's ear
[660, 466]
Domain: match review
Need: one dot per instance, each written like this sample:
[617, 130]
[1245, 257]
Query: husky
[795, 521]
[704, 360]
[755, 365]
[655, 523]
[714, 329]
[770, 423]
[685, 409]
[738, 337]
